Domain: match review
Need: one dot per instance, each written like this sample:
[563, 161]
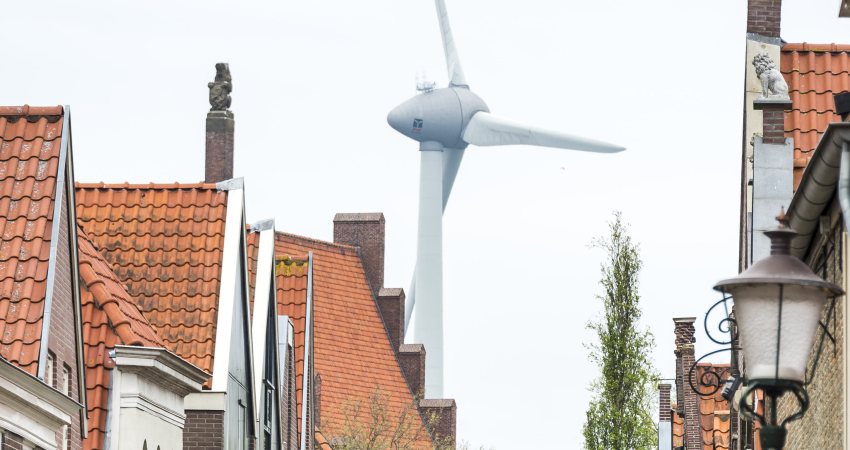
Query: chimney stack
[220, 125]
[364, 230]
[391, 306]
[442, 414]
[764, 17]
[665, 418]
[687, 402]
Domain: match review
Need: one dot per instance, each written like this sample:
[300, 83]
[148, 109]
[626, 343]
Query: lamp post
[778, 303]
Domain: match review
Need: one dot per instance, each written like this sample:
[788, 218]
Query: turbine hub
[439, 115]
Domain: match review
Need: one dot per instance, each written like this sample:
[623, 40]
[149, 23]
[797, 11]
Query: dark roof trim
[817, 187]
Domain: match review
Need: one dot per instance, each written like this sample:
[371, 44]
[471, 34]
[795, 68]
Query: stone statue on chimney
[220, 88]
[773, 86]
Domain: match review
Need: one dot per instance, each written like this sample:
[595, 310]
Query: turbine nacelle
[440, 115]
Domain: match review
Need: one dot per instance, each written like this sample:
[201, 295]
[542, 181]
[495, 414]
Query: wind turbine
[444, 121]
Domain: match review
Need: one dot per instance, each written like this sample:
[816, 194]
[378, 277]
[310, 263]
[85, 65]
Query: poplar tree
[619, 416]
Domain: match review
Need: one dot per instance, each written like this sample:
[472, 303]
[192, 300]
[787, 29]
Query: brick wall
[62, 335]
[773, 130]
[204, 430]
[411, 358]
[442, 418]
[219, 146]
[822, 427]
[665, 414]
[686, 399]
[391, 306]
[764, 17]
[364, 230]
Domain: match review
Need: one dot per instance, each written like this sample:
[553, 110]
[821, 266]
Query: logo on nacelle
[417, 125]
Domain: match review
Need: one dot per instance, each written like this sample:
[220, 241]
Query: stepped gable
[814, 73]
[165, 244]
[351, 349]
[30, 141]
[110, 318]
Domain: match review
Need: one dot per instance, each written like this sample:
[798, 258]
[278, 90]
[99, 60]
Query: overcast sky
[313, 82]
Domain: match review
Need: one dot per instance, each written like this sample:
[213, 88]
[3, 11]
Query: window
[66, 389]
[50, 371]
[66, 380]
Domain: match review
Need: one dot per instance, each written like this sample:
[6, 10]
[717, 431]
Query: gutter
[818, 186]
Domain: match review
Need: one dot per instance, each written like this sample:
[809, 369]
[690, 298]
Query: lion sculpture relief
[772, 83]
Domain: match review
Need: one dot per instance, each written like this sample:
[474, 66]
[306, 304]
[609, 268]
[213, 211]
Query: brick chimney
[442, 416]
[411, 358]
[364, 230]
[391, 306]
[764, 17]
[687, 401]
[665, 418]
[220, 125]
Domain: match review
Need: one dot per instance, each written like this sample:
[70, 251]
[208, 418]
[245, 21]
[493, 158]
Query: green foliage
[619, 416]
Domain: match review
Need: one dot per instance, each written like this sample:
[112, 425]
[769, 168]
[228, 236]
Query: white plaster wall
[149, 412]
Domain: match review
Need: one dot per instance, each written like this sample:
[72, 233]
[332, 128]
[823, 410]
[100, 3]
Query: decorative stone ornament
[221, 88]
[773, 86]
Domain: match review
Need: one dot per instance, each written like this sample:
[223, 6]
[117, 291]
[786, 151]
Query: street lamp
[778, 303]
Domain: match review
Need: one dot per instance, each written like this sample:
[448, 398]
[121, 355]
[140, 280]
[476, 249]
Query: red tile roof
[814, 73]
[110, 317]
[678, 428]
[165, 243]
[30, 140]
[291, 285]
[714, 410]
[252, 243]
[352, 352]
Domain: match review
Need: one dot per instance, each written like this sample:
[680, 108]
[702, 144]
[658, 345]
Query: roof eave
[817, 186]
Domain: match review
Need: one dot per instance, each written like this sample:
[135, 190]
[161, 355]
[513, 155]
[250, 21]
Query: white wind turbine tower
[444, 121]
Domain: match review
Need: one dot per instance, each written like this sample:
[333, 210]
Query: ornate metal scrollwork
[712, 379]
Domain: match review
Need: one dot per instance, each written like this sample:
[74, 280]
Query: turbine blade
[456, 77]
[486, 129]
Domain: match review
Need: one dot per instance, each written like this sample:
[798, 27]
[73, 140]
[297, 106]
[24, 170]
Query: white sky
[313, 82]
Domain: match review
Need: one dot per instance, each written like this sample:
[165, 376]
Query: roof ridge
[31, 111]
[151, 185]
[807, 47]
[96, 284]
[313, 240]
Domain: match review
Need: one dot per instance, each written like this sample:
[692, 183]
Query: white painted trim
[205, 401]
[160, 366]
[230, 275]
[113, 413]
[143, 403]
[31, 409]
[262, 303]
[59, 403]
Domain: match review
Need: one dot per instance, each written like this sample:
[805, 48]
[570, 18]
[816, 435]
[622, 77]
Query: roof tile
[164, 242]
[814, 73]
[110, 317]
[352, 352]
[30, 140]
